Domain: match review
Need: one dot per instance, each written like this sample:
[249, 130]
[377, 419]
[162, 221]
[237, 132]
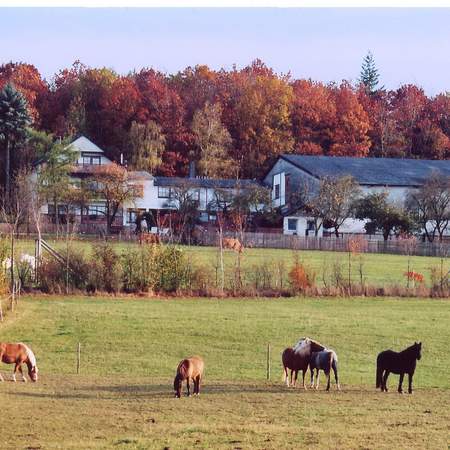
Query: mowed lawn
[130, 348]
[378, 269]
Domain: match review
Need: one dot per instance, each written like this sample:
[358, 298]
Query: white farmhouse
[292, 173]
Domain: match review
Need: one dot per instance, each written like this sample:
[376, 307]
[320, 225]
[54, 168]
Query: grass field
[130, 349]
[378, 269]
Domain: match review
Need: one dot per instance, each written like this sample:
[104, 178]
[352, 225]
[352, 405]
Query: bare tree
[430, 206]
[335, 200]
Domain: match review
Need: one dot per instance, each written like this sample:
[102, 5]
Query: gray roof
[371, 171]
[203, 182]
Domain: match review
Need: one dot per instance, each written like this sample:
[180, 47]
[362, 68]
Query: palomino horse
[298, 358]
[19, 354]
[189, 369]
[398, 363]
[324, 360]
[233, 244]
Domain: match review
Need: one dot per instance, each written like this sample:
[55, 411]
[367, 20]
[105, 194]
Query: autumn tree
[382, 215]
[146, 146]
[213, 141]
[114, 186]
[261, 126]
[14, 120]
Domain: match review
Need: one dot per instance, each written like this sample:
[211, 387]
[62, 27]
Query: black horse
[398, 363]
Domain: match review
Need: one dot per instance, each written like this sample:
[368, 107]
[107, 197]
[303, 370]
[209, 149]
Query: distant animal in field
[149, 238]
[19, 354]
[324, 360]
[233, 244]
[298, 358]
[398, 363]
[189, 369]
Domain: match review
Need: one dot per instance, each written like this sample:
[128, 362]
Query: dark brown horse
[398, 363]
[189, 369]
[19, 354]
[298, 358]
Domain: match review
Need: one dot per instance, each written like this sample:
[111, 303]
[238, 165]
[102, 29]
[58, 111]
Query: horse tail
[30, 354]
[379, 373]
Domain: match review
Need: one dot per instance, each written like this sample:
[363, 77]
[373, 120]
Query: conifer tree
[369, 75]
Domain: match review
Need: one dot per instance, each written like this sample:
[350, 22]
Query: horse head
[33, 373]
[307, 345]
[418, 348]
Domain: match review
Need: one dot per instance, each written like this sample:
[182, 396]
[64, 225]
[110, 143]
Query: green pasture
[377, 269]
[130, 348]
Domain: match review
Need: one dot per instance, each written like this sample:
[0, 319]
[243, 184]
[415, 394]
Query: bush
[106, 271]
[160, 268]
[301, 277]
[53, 275]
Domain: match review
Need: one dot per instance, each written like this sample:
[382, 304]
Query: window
[277, 191]
[91, 160]
[164, 192]
[95, 210]
[292, 224]
[310, 225]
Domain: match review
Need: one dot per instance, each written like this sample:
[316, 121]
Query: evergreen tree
[369, 75]
[14, 119]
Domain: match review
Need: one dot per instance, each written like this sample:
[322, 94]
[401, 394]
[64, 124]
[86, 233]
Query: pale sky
[409, 45]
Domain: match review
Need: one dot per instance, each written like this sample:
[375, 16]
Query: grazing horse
[189, 369]
[298, 358]
[233, 244]
[324, 360]
[19, 354]
[398, 363]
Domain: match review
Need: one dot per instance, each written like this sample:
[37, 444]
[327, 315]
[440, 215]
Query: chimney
[191, 169]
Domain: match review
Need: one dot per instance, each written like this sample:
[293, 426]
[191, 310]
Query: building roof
[140, 175]
[83, 144]
[371, 171]
[204, 182]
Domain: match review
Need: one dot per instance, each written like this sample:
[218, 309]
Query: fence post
[78, 358]
[268, 361]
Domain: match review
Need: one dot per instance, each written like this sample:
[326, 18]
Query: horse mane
[314, 344]
[410, 348]
[30, 355]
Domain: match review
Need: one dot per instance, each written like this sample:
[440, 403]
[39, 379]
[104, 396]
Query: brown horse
[19, 354]
[189, 369]
[298, 358]
[149, 238]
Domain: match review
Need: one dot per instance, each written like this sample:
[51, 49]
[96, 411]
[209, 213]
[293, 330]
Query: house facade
[294, 175]
[159, 194]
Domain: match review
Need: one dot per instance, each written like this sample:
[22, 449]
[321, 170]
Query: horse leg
[199, 379]
[317, 378]
[410, 377]
[21, 373]
[286, 375]
[328, 375]
[335, 370]
[16, 368]
[304, 385]
[295, 378]
[385, 378]
[400, 382]
[188, 387]
[312, 378]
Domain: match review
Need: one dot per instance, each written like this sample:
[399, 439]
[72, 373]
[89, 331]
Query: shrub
[301, 277]
[138, 269]
[173, 268]
[106, 271]
[54, 276]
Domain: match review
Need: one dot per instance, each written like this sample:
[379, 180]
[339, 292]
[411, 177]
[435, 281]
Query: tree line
[230, 122]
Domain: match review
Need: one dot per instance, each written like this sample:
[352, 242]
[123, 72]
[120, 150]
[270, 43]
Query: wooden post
[268, 361]
[78, 358]
[1, 312]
